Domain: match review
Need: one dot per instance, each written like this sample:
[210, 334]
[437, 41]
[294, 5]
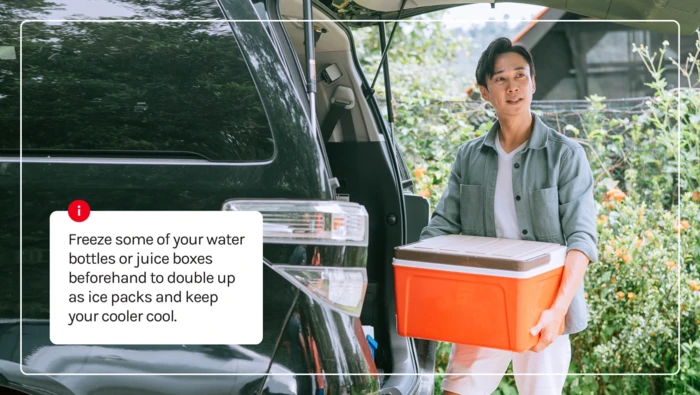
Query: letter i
[78, 210]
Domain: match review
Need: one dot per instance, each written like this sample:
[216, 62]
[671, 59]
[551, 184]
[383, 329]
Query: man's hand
[548, 328]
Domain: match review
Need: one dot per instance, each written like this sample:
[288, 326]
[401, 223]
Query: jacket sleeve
[446, 217]
[576, 207]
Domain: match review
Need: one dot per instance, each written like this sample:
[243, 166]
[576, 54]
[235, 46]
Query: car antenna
[310, 54]
[391, 36]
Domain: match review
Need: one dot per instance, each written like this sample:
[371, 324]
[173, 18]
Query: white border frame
[21, 355]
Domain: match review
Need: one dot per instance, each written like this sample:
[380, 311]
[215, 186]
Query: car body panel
[297, 170]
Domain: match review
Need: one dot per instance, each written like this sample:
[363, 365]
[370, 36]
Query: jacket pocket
[544, 207]
[472, 209]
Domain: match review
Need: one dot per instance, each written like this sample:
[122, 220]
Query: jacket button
[517, 165]
[524, 231]
[517, 198]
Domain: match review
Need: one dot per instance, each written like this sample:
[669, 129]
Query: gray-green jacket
[553, 192]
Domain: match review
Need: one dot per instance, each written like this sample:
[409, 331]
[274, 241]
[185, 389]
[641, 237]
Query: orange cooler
[481, 291]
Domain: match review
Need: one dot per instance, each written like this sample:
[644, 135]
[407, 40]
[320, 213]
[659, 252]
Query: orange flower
[609, 249]
[670, 265]
[620, 295]
[603, 219]
[694, 285]
[612, 280]
[630, 295]
[649, 234]
[696, 196]
[585, 295]
[680, 227]
[419, 172]
[615, 194]
[626, 258]
[676, 227]
[425, 193]
[644, 268]
[638, 243]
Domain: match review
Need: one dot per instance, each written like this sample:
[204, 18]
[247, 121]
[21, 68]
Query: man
[522, 180]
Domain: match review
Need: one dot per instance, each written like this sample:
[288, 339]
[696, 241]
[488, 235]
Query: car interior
[358, 151]
[333, 53]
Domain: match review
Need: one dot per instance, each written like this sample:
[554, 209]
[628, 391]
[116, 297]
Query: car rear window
[145, 89]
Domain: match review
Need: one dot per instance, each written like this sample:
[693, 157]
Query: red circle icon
[79, 210]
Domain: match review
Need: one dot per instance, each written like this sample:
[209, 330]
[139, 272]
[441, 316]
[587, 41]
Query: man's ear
[534, 85]
[484, 93]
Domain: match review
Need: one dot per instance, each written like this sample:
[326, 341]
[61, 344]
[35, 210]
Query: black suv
[150, 110]
[179, 115]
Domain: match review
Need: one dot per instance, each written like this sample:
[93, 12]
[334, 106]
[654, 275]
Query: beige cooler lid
[474, 251]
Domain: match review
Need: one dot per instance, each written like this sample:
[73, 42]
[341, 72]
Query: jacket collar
[538, 139]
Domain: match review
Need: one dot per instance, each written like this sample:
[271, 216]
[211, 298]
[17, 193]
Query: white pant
[474, 360]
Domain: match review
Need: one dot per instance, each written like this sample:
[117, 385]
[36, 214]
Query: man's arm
[577, 215]
[576, 207]
[445, 219]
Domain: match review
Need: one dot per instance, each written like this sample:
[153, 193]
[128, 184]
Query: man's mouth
[514, 101]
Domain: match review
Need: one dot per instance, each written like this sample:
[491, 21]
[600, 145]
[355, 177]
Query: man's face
[511, 86]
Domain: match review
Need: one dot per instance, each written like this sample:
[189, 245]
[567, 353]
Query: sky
[483, 11]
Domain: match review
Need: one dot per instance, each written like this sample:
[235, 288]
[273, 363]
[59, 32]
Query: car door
[142, 116]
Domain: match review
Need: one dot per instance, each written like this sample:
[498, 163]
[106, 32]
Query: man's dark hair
[499, 46]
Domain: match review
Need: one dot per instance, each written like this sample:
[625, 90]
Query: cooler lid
[475, 251]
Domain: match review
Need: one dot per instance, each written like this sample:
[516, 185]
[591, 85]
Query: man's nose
[512, 88]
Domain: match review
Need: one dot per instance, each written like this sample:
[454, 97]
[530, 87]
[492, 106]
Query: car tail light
[340, 288]
[309, 222]
[306, 222]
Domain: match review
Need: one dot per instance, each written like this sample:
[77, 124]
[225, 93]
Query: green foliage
[633, 292]
[419, 69]
[442, 357]
[643, 152]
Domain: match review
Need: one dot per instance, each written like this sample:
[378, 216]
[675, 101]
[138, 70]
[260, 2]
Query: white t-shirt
[504, 202]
